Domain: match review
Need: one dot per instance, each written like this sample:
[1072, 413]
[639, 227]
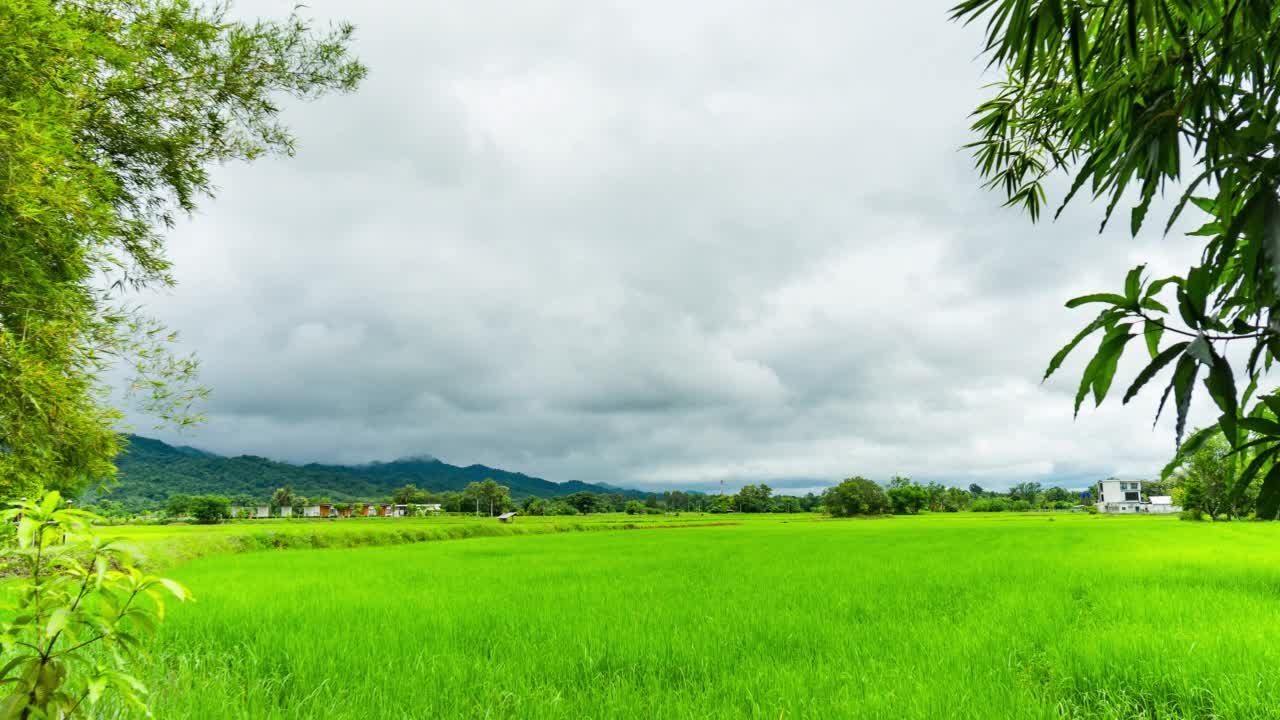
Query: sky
[659, 245]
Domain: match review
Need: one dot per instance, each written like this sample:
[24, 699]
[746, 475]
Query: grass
[162, 546]
[943, 616]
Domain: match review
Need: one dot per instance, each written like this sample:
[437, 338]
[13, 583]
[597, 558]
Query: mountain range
[151, 470]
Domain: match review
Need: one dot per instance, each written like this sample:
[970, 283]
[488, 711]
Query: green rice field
[936, 616]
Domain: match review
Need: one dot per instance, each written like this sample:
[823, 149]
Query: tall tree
[111, 114]
[1127, 95]
[282, 497]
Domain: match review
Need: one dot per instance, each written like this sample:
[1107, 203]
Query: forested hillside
[151, 471]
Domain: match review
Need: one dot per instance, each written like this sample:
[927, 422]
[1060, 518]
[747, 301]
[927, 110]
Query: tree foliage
[111, 115]
[855, 496]
[209, 509]
[1133, 97]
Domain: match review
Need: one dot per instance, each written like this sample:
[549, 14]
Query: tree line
[904, 496]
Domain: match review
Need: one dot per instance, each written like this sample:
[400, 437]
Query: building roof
[1161, 499]
[506, 516]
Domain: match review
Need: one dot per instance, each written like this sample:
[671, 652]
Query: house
[326, 510]
[1125, 496]
[262, 511]
[311, 511]
[507, 517]
[384, 511]
[1119, 496]
[286, 511]
[400, 511]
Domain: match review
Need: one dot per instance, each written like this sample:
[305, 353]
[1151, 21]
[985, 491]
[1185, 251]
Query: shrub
[635, 507]
[1193, 514]
[76, 595]
[855, 496]
[209, 509]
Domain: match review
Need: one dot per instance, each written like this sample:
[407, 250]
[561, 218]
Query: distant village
[337, 510]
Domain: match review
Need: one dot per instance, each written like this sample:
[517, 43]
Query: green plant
[76, 595]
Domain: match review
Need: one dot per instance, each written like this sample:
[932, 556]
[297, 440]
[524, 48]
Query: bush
[635, 507]
[856, 496]
[209, 509]
[1193, 514]
[1091, 509]
[83, 615]
[1020, 505]
[997, 504]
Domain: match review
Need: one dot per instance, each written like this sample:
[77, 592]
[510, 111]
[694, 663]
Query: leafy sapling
[78, 614]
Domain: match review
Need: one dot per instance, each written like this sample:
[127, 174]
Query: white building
[311, 511]
[1125, 496]
[286, 511]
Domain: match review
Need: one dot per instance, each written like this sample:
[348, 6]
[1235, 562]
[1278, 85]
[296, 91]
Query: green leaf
[1062, 354]
[1156, 365]
[1272, 402]
[58, 620]
[1250, 471]
[1154, 288]
[1221, 384]
[1133, 284]
[50, 503]
[1152, 332]
[1102, 368]
[1188, 448]
[1268, 504]
[178, 589]
[1262, 426]
[1184, 378]
[1110, 298]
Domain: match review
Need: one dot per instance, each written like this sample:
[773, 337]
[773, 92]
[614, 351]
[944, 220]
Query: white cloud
[658, 243]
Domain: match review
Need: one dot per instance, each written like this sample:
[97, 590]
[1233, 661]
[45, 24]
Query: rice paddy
[937, 616]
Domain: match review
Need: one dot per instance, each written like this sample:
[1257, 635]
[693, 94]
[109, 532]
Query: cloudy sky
[655, 244]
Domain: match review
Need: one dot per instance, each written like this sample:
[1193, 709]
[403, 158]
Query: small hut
[286, 511]
[311, 511]
[507, 517]
[326, 510]
[262, 511]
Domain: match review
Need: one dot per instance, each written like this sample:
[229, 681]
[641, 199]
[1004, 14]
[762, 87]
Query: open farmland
[970, 616]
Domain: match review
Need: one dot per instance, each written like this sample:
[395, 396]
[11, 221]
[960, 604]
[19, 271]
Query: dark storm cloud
[654, 245]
